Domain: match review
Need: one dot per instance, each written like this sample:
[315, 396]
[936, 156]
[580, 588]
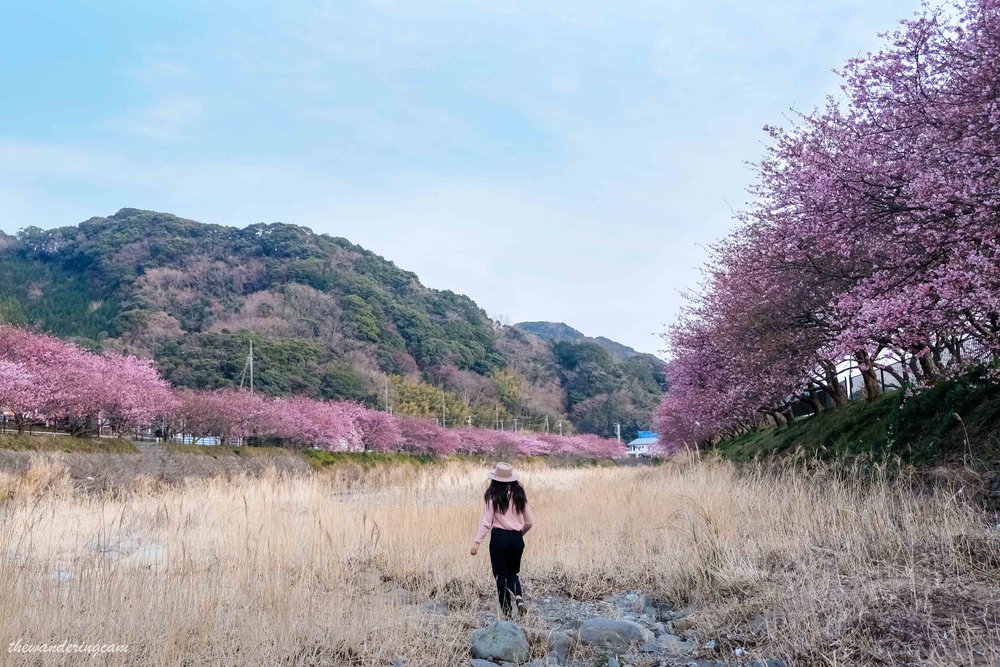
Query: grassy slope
[956, 420]
[318, 458]
[216, 451]
[321, 458]
[64, 443]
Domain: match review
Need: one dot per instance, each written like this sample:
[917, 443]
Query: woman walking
[507, 517]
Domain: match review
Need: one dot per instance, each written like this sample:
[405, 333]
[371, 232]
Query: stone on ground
[501, 641]
[674, 645]
[478, 662]
[559, 645]
[612, 634]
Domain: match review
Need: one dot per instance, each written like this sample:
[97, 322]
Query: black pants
[506, 547]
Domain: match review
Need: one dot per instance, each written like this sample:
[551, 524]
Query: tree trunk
[789, 415]
[833, 387]
[779, 419]
[813, 400]
[928, 366]
[867, 368]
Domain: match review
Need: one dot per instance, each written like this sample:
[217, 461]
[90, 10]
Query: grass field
[331, 567]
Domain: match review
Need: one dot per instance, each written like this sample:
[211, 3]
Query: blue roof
[644, 441]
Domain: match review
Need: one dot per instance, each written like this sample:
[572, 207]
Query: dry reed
[332, 568]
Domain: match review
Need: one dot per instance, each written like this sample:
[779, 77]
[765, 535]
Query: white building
[643, 445]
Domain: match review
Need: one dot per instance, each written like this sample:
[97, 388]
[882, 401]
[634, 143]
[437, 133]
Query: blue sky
[562, 160]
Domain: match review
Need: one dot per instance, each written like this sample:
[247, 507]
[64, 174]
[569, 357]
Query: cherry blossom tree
[379, 431]
[424, 436]
[133, 395]
[872, 238]
[20, 391]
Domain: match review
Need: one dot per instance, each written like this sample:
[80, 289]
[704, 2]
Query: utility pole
[515, 424]
[560, 427]
[501, 424]
[618, 432]
[546, 423]
[248, 369]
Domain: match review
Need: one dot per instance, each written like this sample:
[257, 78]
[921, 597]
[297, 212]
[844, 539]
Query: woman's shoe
[522, 608]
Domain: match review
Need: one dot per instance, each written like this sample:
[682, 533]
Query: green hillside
[956, 420]
[327, 318]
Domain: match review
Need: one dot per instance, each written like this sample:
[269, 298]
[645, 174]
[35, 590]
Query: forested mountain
[558, 332]
[605, 382]
[327, 318]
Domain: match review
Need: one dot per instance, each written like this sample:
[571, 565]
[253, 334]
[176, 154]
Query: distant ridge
[558, 332]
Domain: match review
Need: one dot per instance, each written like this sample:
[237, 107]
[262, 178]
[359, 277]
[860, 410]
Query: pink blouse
[509, 520]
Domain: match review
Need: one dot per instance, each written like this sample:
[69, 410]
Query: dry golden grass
[331, 568]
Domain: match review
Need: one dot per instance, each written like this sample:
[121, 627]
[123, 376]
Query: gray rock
[478, 662]
[658, 609]
[502, 641]
[770, 662]
[676, 646]
[560, 644]
[613, 662]
[650, 648]
[614, 635]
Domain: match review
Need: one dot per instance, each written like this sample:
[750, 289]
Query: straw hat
[504, 472]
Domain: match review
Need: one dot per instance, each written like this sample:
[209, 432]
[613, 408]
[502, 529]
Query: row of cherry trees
[42, 377]
[873, 239]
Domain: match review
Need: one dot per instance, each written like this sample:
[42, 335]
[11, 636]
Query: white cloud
[166, 120]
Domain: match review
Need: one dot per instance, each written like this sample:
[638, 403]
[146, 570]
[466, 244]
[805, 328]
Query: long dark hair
[502, 493]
